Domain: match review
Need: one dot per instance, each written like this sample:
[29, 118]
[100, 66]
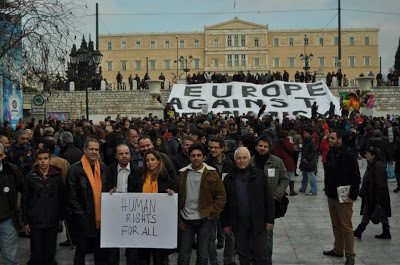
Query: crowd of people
[232, 175]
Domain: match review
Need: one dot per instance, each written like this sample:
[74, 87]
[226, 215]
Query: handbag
[390, 172]
[378, 214]
[281, 206]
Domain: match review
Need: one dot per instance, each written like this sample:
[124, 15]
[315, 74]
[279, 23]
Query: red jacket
[284, 149]
[324, 148]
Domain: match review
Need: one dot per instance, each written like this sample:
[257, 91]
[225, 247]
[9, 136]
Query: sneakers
[311, 194]
[396, 190]
[332, 253]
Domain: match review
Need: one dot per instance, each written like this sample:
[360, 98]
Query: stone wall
[132, 103]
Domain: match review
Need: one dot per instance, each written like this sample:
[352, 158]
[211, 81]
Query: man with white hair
[249, 211]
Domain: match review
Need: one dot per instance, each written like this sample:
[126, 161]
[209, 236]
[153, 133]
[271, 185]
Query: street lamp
[185, 60]
[84, 57]
[307, 59]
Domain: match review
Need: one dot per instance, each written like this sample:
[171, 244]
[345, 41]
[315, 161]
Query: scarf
[261, 160]
[95, 183]
[150, 186]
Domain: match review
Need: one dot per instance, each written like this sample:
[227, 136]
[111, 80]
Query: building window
[181, 44]
[352, 61]
[291, 62]
[256, 61]
[276, 62]
[196, 43]
[166, 44]
[230, 60]
[152, 44]
[243, 61]
[321, 61]
[138, 65]
[181, 65]
[196, 63]
[167, 65]
[236, 40]
[216, 62]
[109, 66]
[138, 44]
[123, 45]
[306, 41]
[351, 41]
[366, 40]
[229, 40]
[236, 59]
[367, 60]
[256, 42]
[276, 42]
[109, 45]
[336, 41]
[321, 41]
[123, 65]
[243, 40]
[216, 43]
[152, 65]
[335, 61]
[291, 41]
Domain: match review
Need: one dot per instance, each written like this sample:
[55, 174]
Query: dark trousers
[102, 256]
[202, 228]
[146, 253]
[250, 246]
[132, 256]
[43, 244]
[296, 159]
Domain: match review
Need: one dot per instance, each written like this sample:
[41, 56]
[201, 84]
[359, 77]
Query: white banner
[281, 98]
[139, 220]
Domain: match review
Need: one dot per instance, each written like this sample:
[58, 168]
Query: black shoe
[295, 173]
[396, 190]
[220, 244]
[332, 253]
[23, 234]
[66, 243]
[385, 234]
[233, 263]
[349, 261]
[360, 229]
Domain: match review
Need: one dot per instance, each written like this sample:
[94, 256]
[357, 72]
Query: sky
[128, 16]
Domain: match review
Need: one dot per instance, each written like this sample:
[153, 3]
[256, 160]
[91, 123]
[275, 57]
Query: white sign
[139, 220]
[281, 98]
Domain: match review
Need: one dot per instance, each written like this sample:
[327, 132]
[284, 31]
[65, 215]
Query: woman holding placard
[155, 179]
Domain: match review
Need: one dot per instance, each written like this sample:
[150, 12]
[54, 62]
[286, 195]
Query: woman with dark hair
[374, 190]
[295, 133]
[38, 135]
[155, 179]
[253, 132]
[160, 144]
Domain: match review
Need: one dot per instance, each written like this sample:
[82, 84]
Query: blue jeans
[8, 242]
[229, 257]
[202, 228]
[309, 176]
[212, 249]
[270, 244]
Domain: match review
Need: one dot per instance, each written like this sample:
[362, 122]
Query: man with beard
[181, 160]
[131, 140]
[275, 170]
[21, 154]
[341, 169]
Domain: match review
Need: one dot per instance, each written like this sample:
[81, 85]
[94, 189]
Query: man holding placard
[201, 200]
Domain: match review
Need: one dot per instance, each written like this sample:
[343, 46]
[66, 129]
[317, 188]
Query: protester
[308, 163]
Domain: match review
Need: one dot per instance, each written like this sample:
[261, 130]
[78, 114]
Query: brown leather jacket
[212, 196]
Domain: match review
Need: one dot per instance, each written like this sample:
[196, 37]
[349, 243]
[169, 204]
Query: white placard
[281, 98]
[139, 220]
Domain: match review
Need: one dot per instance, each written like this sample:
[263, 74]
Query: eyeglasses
[213, 147]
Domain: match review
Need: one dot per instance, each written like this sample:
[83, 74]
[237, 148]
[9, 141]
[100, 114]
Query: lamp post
[86, 59]
[185, 60]
[307, 59]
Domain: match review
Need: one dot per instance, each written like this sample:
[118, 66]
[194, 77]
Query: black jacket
[309, 153]
[164, 182]
[167, 164]
[136, 173]
[341, 169]
[71, 153]
[42, 202]
[226, 167]
[180, 161]
[112, 141]
[80, 199]
[13, 179]
[261, 201]
[374, 188]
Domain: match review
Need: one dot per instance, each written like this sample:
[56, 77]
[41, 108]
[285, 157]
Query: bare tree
[35, 35]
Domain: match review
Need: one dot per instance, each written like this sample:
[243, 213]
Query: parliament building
[238, 45]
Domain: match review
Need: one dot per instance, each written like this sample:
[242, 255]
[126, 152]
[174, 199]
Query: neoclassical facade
[238, 45]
